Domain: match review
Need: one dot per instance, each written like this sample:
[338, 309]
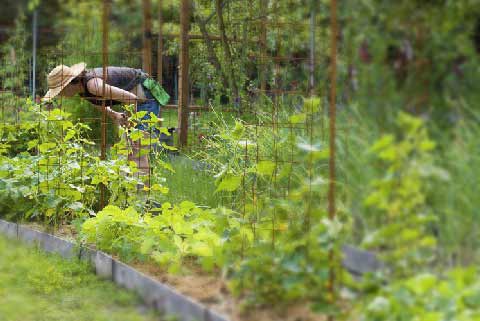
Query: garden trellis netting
[250, 90]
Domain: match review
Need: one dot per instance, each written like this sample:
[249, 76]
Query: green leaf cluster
[178, 234]
[398, 198]
[426, 297]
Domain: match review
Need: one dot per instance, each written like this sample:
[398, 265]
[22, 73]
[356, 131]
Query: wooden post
[226, 50]
[103, 147]
[263, 46]
[160, 44]
[331, 162]
[34, 54]
[311, 81]
[183, 74]
[147, 36]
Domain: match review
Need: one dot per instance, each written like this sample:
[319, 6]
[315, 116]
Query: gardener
[123, 85]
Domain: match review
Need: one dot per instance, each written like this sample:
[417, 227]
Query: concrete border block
[125, 276]
[153, 292]
[104, 265]
[30, 236]
[8, 229]
[183, 307]
[211, 315]
[359, 262]
[87, 255]
[53, 244]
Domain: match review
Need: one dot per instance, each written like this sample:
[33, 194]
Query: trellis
[268, 61]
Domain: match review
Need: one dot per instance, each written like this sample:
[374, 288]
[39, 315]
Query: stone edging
[155, 294]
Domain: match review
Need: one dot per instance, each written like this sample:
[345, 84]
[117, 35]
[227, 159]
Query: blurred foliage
[398, 201]
[14, 67]
[418, 56]
[426, 297]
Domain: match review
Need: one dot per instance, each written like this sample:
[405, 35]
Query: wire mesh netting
[255, 124]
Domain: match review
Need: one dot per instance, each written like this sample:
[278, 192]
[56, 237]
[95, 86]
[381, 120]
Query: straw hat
[60, 77]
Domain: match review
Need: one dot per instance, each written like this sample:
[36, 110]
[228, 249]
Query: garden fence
[248, 103]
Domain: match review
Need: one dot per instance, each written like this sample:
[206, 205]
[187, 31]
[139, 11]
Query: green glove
[157, 91]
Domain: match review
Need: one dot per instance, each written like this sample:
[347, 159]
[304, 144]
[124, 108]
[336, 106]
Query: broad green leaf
[162, 258]
[422, 283]
[136, 135]
[139, 115]
[427, 145]
[167, 147]
[311, 105]
[285, 171]
[159, 188]
[167, 166]
[265, 168]
[147, 245]
[32, 144]
[70, 134]
[229, 183]
[238, 131]
[45, 147]
[149, 141]
[385, 141]
[298, 118]
[321, 155]
[201, 249]
[164, 130]
[187, 205]
[66, 124]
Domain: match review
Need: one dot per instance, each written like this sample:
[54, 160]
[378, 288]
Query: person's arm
[95, 86]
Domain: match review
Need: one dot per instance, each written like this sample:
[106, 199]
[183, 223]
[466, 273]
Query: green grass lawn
[39, 287]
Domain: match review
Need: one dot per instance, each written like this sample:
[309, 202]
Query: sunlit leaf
[229, 183]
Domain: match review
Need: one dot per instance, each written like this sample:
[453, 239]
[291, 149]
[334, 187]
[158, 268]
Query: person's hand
[120, 118]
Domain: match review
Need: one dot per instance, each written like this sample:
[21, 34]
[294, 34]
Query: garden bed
[198, 296]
